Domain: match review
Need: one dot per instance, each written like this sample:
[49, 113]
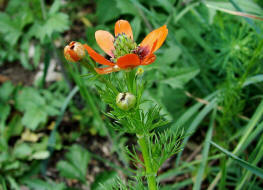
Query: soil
[16, 74]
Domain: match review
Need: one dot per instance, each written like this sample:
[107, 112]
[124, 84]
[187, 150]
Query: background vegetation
[207, 78]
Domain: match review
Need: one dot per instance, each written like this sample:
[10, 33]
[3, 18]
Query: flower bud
[74, 51]
[139, 71]
[125, 101]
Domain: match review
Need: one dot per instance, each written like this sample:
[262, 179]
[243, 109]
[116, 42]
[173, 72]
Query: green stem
[91, 66]
[150, 174]
[43, 9]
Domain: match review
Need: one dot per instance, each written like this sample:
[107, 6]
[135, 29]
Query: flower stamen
[123, 45]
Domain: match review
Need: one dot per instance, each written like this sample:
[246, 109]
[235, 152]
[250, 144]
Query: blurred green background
[207, 78]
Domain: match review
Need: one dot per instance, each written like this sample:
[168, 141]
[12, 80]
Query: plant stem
[151, 176]
[43, 9]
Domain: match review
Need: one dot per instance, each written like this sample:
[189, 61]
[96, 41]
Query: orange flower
[124, 52]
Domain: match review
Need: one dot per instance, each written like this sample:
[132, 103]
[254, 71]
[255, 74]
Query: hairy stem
[151, 176]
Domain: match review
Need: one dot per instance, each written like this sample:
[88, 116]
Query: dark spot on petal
[123, 97]
[142, 52]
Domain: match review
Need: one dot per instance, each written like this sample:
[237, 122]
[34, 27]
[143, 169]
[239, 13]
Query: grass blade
[257, 171]
[243, 143]
[195, 123]
[189, 113]
[200, 173]
[237, 13]
[256, 155]
[52, 137]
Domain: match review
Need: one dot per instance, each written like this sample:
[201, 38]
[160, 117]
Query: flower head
[123, 51]
[74, 51]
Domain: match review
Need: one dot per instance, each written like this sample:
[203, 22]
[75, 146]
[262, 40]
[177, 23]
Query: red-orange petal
[159, 34]
[123, 26]
[73, 55]
[153, 47]
[105, 70]
[105, 41]
[128, 61]
[97, 57]
[148, 60]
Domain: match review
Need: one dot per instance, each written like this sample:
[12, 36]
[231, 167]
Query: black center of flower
[142, 52]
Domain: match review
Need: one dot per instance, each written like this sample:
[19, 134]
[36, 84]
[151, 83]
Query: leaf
[164, 145]
[136, 27]
[58, 22]
[33, 117]
[257, 171]
[36, 107]
[181, 78]
[166, 5]
[254, 79]
[29, 136]
[37, 184]
[247, 6]
[126, 7]
[12, 165]
[13, 183]
[27, 98]
[24, 18]
[106, 10]
[37, 31]
[52, 110]
[22, 150]
[24, 59]
[9, 28]
[170, 96]
[67, 170]
[15, 126]
[40, 155]
[6, 90]
[5, 111]
[171, 54]
[106, 179]
[54, 7]
[75, 165]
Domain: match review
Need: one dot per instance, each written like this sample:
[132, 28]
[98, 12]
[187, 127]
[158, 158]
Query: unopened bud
[125, 101]
[139, 71]
[74, 51]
